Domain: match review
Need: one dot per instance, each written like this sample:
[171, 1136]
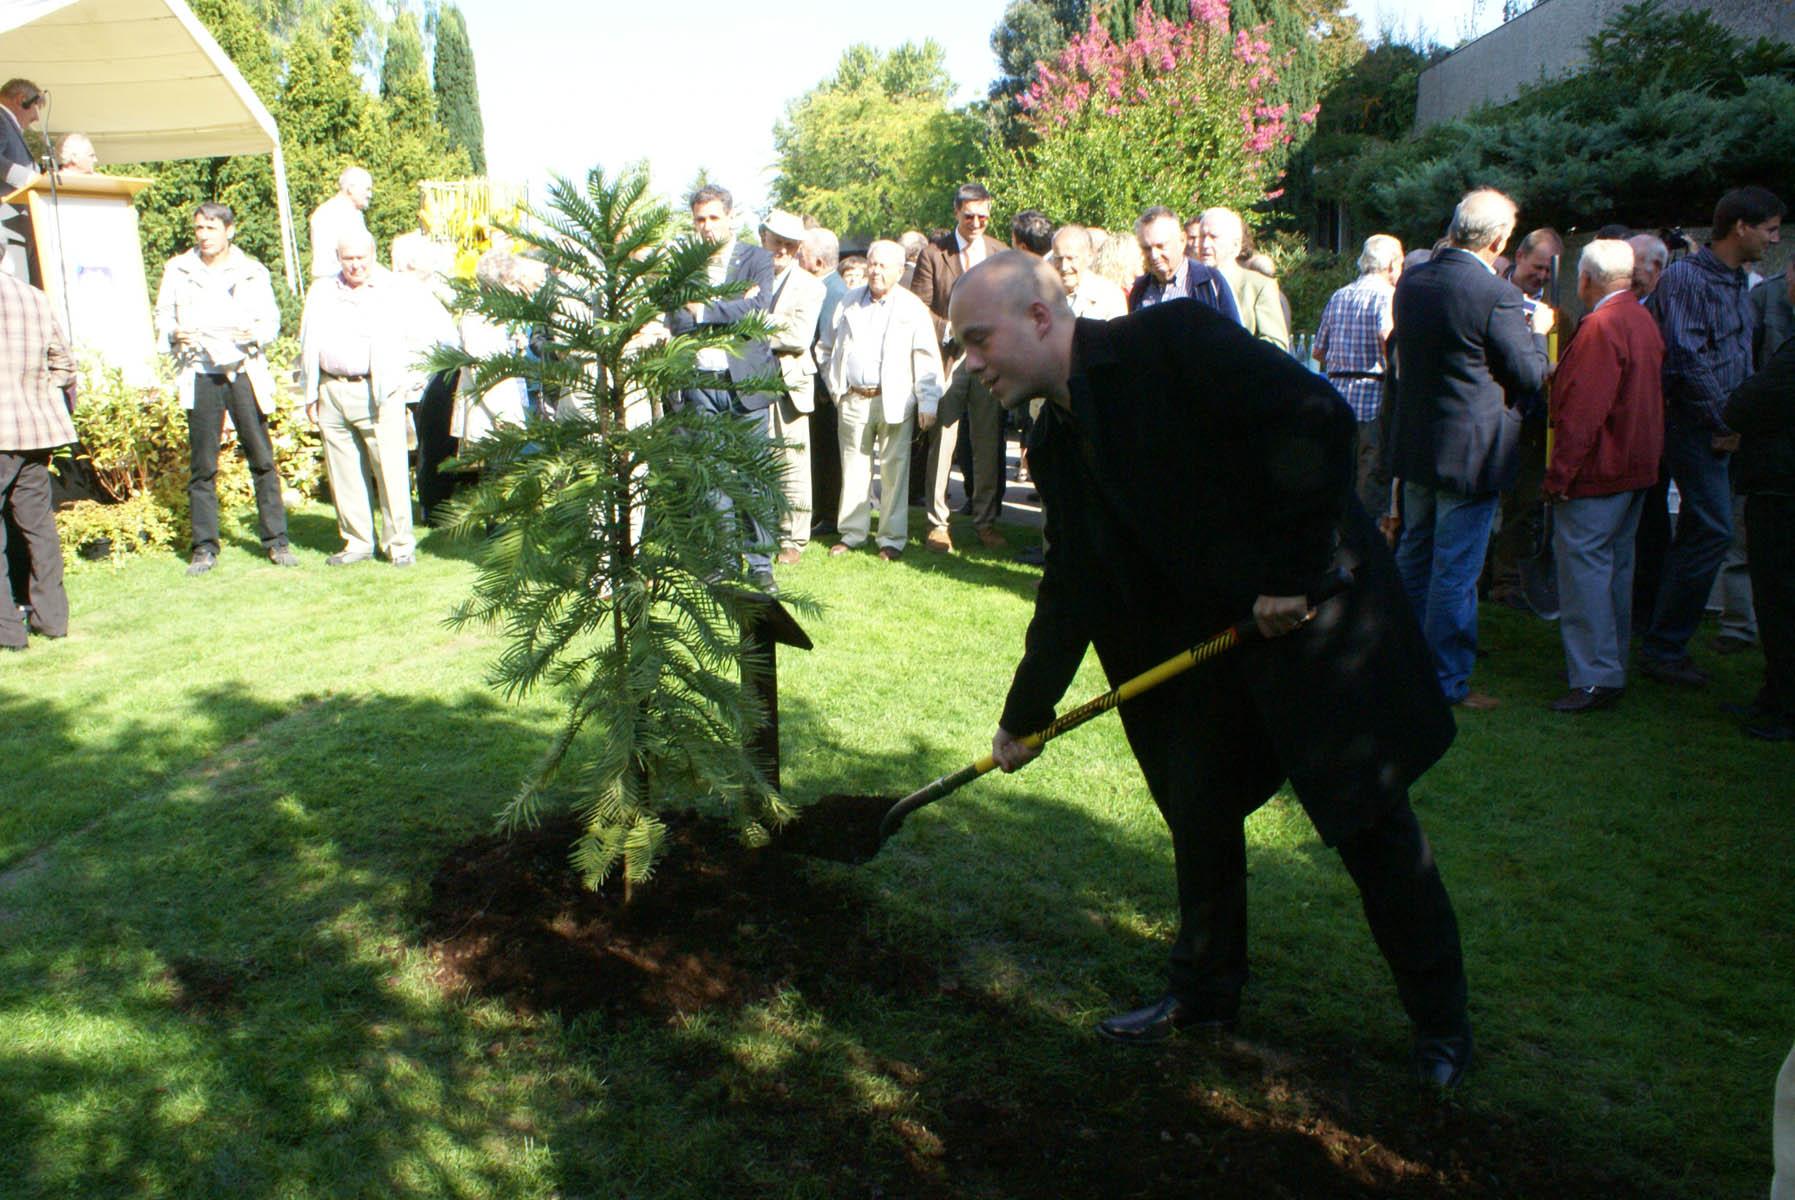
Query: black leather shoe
[1160, 1020]
[1681, 672]
[1586, 699]
[1439, 1059]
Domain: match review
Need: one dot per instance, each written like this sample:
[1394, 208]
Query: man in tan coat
[1220, 236]
[35, 373]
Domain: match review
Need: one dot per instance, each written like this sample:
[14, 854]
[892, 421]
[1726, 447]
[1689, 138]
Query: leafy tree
[875, 148]
[457, 88]
[1668, 113]
[1177, 114]
[616, 575]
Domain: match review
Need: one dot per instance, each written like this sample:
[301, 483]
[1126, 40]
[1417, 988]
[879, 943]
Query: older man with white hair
[1352, 348]
[1649, 256]
[883, 363]
[362, 342]
[340, 217]
[1469, 352]
[1220, 235]
[1608, 435]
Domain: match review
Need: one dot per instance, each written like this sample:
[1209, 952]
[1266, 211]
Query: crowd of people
[1441, 354]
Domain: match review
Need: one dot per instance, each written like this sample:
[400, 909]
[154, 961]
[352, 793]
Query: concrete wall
[1547, 41]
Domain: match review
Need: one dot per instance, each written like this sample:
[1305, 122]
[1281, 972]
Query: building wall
[1547, 41]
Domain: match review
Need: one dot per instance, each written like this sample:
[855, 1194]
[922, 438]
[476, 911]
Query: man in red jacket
[1608, 435]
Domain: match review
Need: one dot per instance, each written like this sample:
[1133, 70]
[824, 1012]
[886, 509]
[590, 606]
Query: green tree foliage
[404, 77]
[1669, 113]
[1030, 32]
[327, 120]
[616, 577]
[875, 148]
[1155, 119]
[457, 88]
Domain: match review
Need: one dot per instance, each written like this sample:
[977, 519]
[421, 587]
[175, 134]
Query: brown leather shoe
[990, 539]
[789, 555]
[839, 549]
[890, 553]
[1477, 702]
[939, 541]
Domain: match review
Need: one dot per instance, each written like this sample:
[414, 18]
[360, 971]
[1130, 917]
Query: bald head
[1010, 315]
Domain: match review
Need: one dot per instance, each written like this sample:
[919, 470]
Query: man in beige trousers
[363, 338]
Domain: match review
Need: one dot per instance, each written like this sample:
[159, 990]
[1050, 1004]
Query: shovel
[853, 813]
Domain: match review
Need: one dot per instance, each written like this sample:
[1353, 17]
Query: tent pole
[289, 250]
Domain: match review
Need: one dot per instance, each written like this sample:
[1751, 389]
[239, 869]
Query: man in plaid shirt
[35, 371]
[1350, 348]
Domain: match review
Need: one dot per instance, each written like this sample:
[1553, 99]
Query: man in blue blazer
[1170, 272]
[1467, 353]
[21, 103]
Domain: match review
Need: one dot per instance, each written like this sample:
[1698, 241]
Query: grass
[224, 800]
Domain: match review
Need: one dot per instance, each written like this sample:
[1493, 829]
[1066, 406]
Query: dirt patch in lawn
[1065, 1116]
[722, 926]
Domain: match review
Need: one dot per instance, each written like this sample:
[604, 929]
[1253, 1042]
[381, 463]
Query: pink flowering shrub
[1180, 114]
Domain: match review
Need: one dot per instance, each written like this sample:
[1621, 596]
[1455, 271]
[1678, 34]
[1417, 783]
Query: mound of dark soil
[723, 926]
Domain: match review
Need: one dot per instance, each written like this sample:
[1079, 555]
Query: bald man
[340, 217]
[1192, 474]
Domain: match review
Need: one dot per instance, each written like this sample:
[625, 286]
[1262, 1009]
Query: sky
[567, 84]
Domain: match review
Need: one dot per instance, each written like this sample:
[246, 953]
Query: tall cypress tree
[457, 91]
[404, 81]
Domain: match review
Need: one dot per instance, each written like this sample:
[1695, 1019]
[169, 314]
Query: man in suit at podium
[23, 104]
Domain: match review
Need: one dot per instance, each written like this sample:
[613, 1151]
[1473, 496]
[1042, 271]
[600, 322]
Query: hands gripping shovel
[852, 828]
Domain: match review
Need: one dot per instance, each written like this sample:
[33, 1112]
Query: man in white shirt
[215, 311]
[364, 337]
[338, 218]
[1088, 293]
[882, 362]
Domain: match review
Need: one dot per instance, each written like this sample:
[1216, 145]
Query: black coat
[1198, 469]
[1762, 412]
[1465, 359]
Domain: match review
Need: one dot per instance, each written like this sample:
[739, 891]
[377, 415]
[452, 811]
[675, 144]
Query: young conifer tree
[614, 568]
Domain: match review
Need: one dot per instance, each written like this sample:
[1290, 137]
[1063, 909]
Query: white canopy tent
[145, 81]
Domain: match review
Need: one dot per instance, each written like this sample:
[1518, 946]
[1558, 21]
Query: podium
[80, 244]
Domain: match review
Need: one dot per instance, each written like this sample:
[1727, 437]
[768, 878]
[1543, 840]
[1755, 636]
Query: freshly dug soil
[839, 827]
[721, 927]
[724, 926]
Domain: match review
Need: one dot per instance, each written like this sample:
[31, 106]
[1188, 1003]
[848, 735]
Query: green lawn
[252, 776]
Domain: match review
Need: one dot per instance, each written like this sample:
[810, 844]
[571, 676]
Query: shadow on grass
[209, 992]
[217, 989]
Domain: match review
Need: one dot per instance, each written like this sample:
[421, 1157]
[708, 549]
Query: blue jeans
[1704, 531]
[1444, 538]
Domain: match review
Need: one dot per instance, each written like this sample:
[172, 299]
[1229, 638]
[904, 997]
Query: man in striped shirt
[1706, 319]
[1350, 347]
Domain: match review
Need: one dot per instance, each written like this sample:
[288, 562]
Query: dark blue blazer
[1465, 358]
[1205, 285]
[12, 148]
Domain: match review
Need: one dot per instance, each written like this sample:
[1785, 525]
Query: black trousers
[1650, 544]
[25, 503]
[435, 447]
[213, 396]
[1770, 536]
[825, 461]
[1208, 764]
